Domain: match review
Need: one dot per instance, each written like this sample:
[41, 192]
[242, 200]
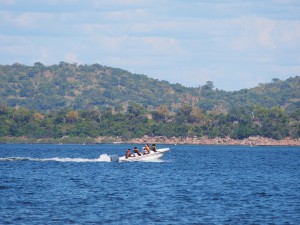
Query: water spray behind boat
[114, 158]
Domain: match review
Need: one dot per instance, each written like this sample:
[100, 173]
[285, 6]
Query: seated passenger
[146, 149]
[153, 148]
[128, 153]
[135, 150]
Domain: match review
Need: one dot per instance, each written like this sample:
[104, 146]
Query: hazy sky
[234, 43]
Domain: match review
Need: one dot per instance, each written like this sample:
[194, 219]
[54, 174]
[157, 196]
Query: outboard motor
[114, 158]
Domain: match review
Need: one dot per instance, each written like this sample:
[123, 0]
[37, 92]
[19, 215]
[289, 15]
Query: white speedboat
[148, 157]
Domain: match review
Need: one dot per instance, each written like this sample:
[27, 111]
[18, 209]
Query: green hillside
[72, 86]
[84, 87]
[84, 102]
[285, 94]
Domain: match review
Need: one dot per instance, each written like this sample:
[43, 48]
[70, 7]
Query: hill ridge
[74, 86]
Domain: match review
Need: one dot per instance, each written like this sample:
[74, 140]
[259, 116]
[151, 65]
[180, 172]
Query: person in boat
[135, 150]
[128, 153]
[153, 148]
[146, 149]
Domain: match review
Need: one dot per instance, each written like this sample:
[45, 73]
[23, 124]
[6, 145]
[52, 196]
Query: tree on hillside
[162, 113]
[72, 116]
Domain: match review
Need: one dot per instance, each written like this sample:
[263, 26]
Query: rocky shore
[251, 141]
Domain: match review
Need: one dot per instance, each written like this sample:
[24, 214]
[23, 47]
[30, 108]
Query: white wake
[102, 158]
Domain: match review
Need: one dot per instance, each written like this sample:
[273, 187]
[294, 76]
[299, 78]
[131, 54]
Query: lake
[75, 184]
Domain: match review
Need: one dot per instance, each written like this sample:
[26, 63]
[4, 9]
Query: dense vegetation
[87, 101]
[83, 87]
[72, 86]
[186, 122]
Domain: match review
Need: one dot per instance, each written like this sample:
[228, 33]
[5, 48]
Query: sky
[235, 44]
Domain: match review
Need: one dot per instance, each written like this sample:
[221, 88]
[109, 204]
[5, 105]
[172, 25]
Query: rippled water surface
[75, 184]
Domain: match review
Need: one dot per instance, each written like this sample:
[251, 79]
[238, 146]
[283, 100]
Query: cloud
[22, 50]
[25, 20]
[41, 54]
[265, 29]
[288, 34]
[162, 46]
[127, 15]
[249, 33]
[8, 2]
[72, 57]
[120, 3]
[285, 1]
[189, 42]
[257, 34]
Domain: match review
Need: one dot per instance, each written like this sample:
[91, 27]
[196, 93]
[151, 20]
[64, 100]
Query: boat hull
[148, 157]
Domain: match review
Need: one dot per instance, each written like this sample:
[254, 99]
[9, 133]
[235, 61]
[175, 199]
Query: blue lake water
[75, 184]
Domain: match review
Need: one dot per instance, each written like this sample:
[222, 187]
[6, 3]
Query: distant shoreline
[250, 141]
